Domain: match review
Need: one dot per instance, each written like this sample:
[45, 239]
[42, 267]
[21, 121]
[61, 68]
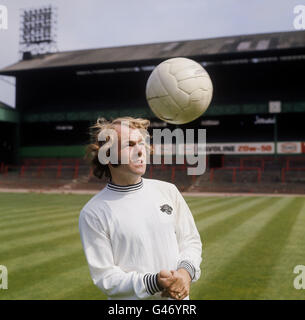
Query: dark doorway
[215, 160]
[7, 135]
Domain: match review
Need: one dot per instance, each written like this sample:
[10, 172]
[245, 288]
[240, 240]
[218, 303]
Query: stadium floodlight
[37, 31]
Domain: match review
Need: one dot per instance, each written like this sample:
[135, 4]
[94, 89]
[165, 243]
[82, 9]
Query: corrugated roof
[133, 55]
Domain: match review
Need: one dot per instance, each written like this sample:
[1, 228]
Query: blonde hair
[99, 169]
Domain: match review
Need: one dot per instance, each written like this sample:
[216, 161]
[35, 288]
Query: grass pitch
[251, 246]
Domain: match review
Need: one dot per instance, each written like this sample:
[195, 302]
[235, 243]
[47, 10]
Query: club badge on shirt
[166, 208]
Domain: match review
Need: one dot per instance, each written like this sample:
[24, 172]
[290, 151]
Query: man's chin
[140, 170]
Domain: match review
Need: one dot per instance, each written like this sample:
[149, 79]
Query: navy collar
[127, 188]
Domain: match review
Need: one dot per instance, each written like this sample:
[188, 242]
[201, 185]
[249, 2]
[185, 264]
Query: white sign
[230, 148]
[275, 106]
[261, 120]
[240, 148]
[210, 123]
[217, 148]
[289, 147]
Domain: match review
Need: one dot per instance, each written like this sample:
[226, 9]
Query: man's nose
[140, 150]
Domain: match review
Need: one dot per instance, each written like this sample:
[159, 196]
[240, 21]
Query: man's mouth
[138, 162]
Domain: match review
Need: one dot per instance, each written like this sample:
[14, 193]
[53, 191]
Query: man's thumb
[165, 274]
[173, 272]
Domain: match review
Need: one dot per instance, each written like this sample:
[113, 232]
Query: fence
[233, 169]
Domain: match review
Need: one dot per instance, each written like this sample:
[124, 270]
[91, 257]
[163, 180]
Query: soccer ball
[179, 90]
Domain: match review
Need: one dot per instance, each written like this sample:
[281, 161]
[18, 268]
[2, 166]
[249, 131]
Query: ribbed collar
[128, 188]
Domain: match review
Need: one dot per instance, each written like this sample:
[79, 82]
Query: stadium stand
[60, 95]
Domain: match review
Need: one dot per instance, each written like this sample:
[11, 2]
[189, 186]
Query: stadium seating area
[241, 174]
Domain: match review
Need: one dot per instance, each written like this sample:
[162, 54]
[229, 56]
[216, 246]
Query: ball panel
[154, 87]
[164, 108]
[170, 84]
[179, 64]
[191, 72]
[186, 117]
[197, 95]
[191, 84]
[195, 109]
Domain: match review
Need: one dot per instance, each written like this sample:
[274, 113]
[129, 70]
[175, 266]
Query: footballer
[138, 235]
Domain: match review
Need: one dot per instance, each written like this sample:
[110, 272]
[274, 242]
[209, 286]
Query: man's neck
[124, 181]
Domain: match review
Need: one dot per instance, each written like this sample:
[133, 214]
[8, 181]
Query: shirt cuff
[151, 283]
[188, 267]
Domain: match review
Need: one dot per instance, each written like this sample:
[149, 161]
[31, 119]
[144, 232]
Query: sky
[85, 24]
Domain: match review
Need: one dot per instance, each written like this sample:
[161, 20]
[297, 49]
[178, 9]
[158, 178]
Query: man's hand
[165, 279]
[180, 286]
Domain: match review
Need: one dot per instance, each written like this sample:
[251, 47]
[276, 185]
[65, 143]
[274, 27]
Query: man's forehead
[127, 133]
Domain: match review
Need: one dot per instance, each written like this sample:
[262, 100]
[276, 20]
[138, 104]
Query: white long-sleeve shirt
[130, 233]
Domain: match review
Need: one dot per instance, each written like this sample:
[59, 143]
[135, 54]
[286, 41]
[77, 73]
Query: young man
[138, 234]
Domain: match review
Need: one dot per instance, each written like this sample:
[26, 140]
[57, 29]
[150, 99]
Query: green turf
[251, 246]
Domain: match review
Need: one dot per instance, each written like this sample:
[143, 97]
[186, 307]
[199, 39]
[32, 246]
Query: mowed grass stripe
[280, 282]
[32, 198]
[35, 202]
[214, 208]
[81, 288]
[11, 225]
[241, 206]
[194, 200]
[28, 276]
[37, 257]
[34, 226]
[26, 213]
[10, 200]
[216, 282]
[199, 206]
[265, 252]
[37, 230]
[202, 202]
[52, 286]
[17, 211]
[36, 237]
[231, 222]
[85, 291]
[217, 208]
[36, 246]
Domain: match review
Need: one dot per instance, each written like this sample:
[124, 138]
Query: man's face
[132, 150]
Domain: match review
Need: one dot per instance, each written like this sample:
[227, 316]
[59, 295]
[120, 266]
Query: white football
[179, 90]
